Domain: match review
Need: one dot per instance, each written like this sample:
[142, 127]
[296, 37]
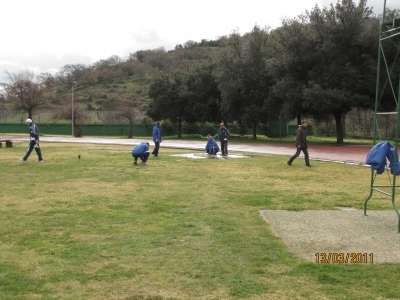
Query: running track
[345, 154]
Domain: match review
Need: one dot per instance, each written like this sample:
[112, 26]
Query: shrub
[168, 126]
[240, 128]
[191, 128]
[147, 122]
[192, 136]
[210, 129]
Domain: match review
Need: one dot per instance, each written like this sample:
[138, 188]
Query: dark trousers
[224, 147]
[143, 157]
[156, 148]
[306, 157]
[29, 151]
[212, 151]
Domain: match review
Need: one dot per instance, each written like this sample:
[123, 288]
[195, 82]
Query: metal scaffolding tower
[389, 30]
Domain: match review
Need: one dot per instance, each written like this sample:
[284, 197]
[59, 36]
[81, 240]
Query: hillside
[114, 82]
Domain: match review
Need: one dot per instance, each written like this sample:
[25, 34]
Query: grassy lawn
[103, 228]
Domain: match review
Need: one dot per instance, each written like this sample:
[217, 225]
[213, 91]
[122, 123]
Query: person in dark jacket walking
[301, 144]
[33, 143]
[156, 138]
[141, 151]
[223, 135]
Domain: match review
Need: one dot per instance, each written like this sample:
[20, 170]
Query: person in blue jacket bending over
[141, 151]
[156, 138]
[211, 147]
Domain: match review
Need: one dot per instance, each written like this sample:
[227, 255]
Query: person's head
[209, 137]
[222, 125]
[159, 123]
[28, 122]
[304, 123]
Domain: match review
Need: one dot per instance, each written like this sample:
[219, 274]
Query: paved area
[338, 236]
[344, 154]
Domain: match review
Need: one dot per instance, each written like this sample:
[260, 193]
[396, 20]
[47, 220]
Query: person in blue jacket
[212, 147]
[156, 138]
[141, 151]
[34, 142]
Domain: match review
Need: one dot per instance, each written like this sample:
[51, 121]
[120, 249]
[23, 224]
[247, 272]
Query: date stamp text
[344, 258]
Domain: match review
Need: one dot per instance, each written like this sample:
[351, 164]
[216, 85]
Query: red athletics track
[347, 154]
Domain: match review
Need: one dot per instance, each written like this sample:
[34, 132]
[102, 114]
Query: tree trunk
[254, 131]
[298, 119]
[339, 129]
[344, 124]
[179, 129]
[130, 134]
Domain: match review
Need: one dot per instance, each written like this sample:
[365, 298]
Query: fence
[53, 117]
[275, 129]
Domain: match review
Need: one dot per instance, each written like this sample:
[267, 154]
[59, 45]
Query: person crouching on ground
[141, 151]
[211, 147]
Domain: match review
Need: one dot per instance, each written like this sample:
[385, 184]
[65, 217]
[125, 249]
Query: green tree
[167, 102]
[344, 73]
[200, 90]
[333, 69]
[289, 50]
[243, 78]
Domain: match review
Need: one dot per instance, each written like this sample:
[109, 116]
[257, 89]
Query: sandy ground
[309, 232]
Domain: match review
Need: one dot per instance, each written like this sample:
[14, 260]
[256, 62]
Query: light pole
[72, 111]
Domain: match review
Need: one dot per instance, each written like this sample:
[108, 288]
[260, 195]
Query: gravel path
[309, 232]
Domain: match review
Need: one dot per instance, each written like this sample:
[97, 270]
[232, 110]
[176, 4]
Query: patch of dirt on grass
[309, 232]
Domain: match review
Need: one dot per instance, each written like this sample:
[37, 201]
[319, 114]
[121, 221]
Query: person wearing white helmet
[34, 142]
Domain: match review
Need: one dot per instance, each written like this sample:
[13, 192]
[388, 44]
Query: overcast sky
[44, 35]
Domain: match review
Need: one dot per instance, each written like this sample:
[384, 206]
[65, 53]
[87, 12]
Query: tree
[333, 68]
[165, 100]
[65, 112]
[200, 90]
[343, 75]
[23, 89]
[243, 78]
[289, 50]
[126, 111]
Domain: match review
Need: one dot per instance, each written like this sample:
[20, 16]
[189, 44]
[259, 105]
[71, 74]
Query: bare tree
[362, 120]
[24, 91]
[124, 110]
[65, 112]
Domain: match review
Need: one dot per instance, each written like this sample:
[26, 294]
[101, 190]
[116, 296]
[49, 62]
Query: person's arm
[155, 134]
[36, 134]
[298, 138]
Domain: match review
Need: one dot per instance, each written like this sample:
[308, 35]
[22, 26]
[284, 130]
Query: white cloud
[46, 34]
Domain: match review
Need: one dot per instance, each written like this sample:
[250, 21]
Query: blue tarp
[378, 155]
